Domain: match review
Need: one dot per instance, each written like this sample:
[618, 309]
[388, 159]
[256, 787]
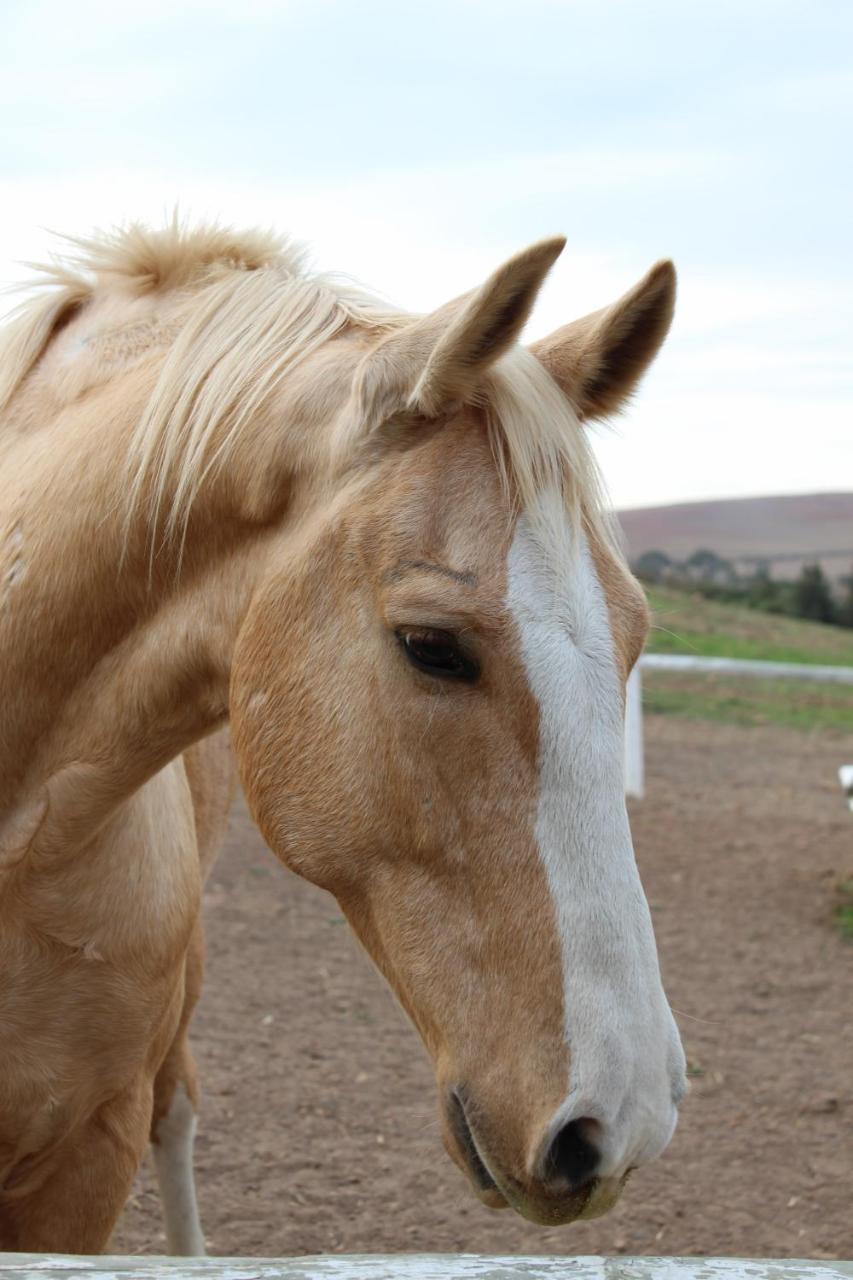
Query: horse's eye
[438, 653]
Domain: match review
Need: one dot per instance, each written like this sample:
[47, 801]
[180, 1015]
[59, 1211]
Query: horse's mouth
[485, 1185]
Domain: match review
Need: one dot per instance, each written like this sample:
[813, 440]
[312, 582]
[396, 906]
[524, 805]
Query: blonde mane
[542, 451]
[249, 311]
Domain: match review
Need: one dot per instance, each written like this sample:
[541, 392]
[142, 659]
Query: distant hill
[781, 532]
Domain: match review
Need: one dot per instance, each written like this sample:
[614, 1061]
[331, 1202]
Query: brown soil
[318, 1129]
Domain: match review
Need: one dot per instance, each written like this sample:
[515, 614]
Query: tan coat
[231, 490]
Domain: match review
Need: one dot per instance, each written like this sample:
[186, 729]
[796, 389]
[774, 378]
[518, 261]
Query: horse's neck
[106, 671]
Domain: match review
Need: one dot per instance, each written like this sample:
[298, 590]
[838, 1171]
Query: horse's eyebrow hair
[467, 579]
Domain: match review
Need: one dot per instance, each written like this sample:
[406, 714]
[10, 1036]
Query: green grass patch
[844, 911]
[685, 622]
[795, 704]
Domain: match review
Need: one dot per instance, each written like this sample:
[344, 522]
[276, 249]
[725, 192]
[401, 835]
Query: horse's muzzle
[565, 1187]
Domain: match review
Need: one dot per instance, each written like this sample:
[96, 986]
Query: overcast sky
[414, 145]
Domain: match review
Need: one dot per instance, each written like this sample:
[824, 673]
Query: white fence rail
[747, 667]
[417, 1267]
[634, 761]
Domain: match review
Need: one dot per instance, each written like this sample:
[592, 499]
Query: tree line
[810, 595]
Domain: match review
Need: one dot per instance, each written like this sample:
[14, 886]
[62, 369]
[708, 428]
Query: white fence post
[845, 777]
[634, 767]
[750, 667]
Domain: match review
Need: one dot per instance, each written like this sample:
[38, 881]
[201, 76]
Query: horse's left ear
[436, 363]
[599, 359]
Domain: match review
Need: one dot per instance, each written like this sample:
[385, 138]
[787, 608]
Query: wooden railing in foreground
[750, 667]
[427, 1266]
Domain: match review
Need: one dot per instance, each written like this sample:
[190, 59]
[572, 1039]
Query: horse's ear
[438, 361]
[599, 359]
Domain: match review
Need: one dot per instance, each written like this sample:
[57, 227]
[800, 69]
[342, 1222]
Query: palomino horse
[232, 490]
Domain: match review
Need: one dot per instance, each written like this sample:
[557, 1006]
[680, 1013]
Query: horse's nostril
[573, 1154]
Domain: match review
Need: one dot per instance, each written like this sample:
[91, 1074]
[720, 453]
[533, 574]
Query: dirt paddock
[318, 1130]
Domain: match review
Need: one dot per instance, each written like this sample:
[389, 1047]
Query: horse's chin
[590, 1202]
[492, 1199]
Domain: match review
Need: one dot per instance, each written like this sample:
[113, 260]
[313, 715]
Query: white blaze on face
[627, 1065]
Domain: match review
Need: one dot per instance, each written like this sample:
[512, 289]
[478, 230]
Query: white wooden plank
[417, 1267]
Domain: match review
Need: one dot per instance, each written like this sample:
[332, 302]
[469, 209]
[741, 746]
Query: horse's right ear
[438, 361]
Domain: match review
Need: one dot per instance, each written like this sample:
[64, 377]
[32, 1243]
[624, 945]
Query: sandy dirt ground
[318, 1129]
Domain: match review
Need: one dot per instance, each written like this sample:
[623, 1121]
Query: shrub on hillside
[812, 595]
[808, 596]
